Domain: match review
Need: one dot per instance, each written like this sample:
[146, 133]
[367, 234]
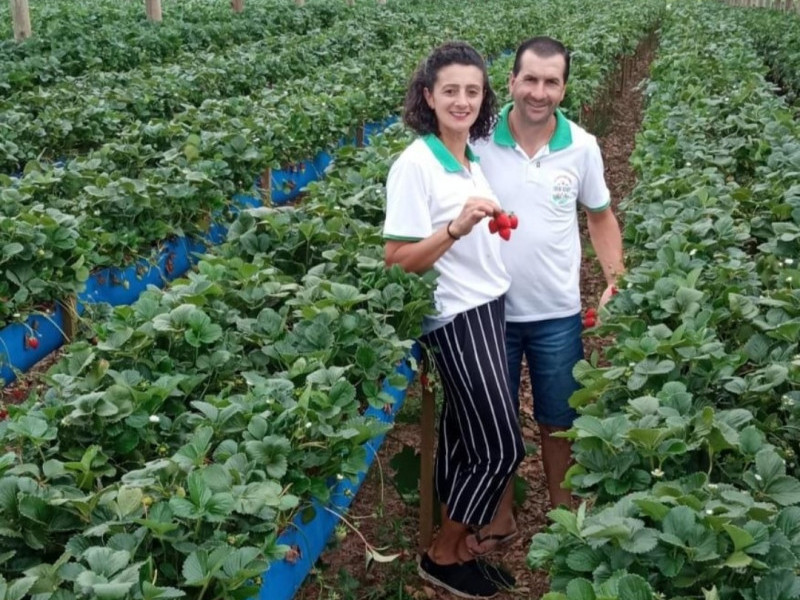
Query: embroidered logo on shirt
[563, 190]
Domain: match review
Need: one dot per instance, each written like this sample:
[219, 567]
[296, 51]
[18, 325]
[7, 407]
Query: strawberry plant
[203, 417]
[686, 440]
[774, 32]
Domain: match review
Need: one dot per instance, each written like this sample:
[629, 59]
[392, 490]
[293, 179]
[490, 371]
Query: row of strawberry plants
[81, 114]
[172, 452]
[114, 36]
[687, 438]
[163, 177]
[46, 123]
[776, 36]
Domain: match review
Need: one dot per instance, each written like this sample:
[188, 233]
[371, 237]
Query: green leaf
[566, 519]
[680, 522]
[196, 570]
[651, 366]
[751, 440]
[584, 560]
[652, 508]
[780, 584]
[769, 465]
[738, 560]
[634, 587]
[741, 538]
[757, 347]
[580, 589]
[784, 490]
[12, 249]
[642, 541]
[239, 560]
[18, 588]
[129, 501]
[152, 592]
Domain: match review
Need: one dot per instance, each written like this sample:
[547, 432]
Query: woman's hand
[474, 211]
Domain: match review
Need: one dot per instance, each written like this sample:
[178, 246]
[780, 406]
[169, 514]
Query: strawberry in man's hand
[590, 318]
[502, 224]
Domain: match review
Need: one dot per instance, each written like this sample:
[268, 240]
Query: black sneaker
[501, 577]
[466, 580]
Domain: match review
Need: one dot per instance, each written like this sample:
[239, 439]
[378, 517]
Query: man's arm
[606, 240]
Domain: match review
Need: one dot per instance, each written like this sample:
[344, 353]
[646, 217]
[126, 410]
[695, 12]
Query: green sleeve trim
[599, 209]
[400, 238]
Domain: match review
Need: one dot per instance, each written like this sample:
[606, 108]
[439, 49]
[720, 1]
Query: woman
[437, 203]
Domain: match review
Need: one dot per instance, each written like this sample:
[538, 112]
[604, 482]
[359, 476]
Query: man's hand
[610, 291]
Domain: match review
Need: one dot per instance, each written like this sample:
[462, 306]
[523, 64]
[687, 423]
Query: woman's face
[456, 98]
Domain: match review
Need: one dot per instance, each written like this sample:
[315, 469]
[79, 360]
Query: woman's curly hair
[420, 117]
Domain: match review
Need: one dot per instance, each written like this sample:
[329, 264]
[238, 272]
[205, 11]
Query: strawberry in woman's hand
[503, 223]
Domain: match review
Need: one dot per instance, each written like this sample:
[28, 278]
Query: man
[542, 166]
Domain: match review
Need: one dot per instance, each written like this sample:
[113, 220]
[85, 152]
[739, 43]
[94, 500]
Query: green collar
[444, 156]
[562, 136]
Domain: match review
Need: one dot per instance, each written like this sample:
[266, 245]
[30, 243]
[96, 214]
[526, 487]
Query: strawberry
[513, 221]
[591, 312]
[32, 342]
[614, 290]
[423, 379]
[493, 226]
[505, 233]
[588, 322]
[503, 221]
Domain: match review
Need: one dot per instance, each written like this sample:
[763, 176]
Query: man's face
[538, 88]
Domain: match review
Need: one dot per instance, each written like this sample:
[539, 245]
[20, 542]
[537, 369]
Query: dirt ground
[385, 520]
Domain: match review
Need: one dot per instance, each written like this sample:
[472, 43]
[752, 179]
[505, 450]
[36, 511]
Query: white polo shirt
[427, 188]
[543, 256]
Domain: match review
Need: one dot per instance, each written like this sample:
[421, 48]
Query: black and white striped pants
[480, 443]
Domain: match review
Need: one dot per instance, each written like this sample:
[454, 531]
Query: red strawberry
[513, 221]
[505, 233]
[614, 290]
[493, 226]
[503, 222]
[591, 312]
[32, 342]
[588, 322]
[423, 379]
[3, 414]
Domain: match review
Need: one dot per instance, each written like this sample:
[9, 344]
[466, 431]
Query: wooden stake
[21, 19]
[153, 10]
[360, 136]
[266, 187]
[237, 5]
[70, 321]
[427, 424]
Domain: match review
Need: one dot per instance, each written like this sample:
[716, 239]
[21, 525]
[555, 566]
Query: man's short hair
[544, 47]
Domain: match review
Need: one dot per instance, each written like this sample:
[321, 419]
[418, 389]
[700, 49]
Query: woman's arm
[419, 257]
